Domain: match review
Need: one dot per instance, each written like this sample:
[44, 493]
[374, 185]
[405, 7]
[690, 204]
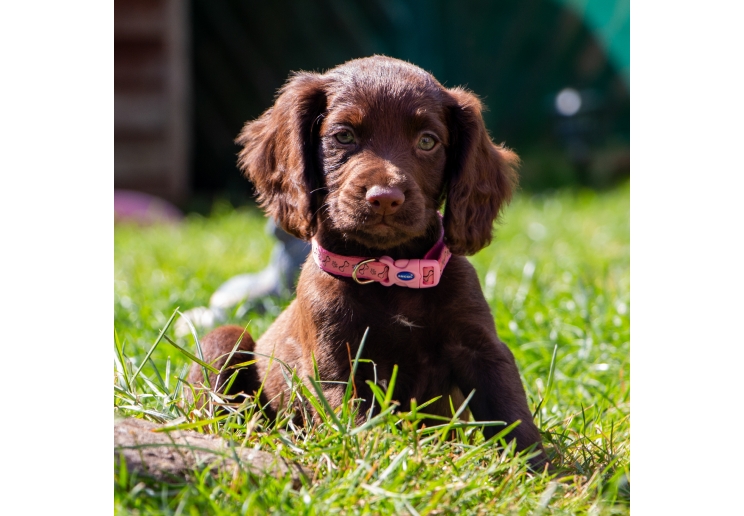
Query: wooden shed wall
[151, 97]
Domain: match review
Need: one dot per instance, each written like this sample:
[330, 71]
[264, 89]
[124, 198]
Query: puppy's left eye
[345, 137]
[426, 142]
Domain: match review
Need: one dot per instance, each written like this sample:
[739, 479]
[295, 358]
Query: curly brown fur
[362, 158]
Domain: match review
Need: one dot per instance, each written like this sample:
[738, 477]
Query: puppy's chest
[402, 326]
[394, 313]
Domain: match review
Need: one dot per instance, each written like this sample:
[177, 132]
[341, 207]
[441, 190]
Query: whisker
[324, 205]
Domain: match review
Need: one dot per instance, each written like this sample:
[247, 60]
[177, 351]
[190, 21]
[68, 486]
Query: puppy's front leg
[490, 370]
[334, 393]
[223, 343]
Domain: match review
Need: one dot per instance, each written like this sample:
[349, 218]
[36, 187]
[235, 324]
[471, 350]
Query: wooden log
[175, 455]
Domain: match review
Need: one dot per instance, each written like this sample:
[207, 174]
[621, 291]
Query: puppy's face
[370, 150]
[383, 153]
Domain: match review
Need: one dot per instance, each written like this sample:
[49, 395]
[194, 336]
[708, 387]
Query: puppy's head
[370, 150]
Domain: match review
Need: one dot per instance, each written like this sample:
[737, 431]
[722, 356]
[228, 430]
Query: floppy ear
[279, 154]
[481, 177]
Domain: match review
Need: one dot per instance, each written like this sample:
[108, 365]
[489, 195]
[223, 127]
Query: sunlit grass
[557, 279]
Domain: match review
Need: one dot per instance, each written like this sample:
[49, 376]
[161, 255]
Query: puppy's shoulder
[460, 276]
[459, 290]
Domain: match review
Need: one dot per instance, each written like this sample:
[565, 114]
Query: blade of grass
[120, 353]
[160, 337]
[191, 356]
[189, 426]
[391, 386]
[157, 373]
[549, 387]
[355, 364]
[321, 397]
[199, 351]
[235, 347]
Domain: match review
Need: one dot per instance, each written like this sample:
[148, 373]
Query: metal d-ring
[354, 272]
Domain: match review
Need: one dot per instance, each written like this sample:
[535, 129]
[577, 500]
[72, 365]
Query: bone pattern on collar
[413, 273]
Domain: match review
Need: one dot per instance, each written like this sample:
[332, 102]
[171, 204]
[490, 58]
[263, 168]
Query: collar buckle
[356, 269]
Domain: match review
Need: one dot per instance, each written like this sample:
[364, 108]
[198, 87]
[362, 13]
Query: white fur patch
[400, 319]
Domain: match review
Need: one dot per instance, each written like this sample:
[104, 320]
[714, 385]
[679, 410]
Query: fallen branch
[175, 455]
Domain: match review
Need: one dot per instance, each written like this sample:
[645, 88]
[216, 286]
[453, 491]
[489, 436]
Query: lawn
[557, 278]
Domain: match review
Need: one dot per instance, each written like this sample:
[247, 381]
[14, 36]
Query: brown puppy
[361, 159]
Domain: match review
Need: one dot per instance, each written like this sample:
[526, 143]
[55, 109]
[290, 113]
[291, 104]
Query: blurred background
[554, 74]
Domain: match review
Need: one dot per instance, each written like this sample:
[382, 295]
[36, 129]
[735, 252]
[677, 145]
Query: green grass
[557, 278]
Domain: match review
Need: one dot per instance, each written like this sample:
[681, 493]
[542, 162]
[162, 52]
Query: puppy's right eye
[427, 142]
[345, 137]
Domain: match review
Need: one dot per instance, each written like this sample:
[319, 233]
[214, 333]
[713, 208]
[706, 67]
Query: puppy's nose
[385, 200]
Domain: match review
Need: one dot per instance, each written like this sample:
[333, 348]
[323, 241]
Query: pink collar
[415, 273]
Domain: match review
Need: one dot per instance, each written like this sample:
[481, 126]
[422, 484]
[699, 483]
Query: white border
[56, 158]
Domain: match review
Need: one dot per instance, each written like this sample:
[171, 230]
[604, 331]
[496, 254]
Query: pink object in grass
[131, 206]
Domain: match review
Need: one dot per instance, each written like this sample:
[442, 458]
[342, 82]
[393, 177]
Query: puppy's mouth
[387, 230]
[384, 222]
[351, 217]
